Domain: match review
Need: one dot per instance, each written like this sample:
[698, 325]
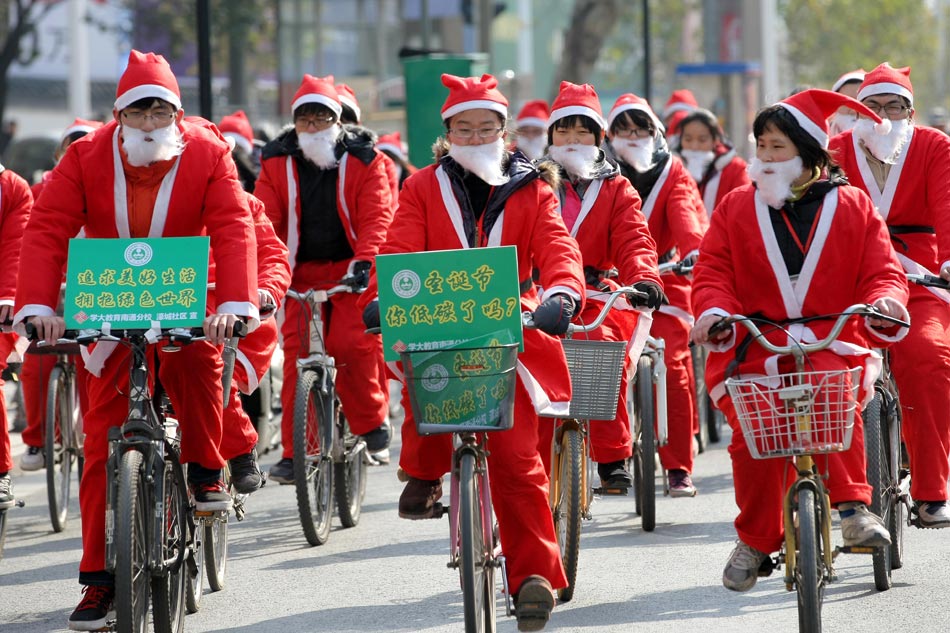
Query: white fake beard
[576, 159]
[697, 161]
[774, 180]
[144, 148]
[841, 123]
[482, 160]
[533, 148]
[884, 147]
[638, 153]
[320, 147]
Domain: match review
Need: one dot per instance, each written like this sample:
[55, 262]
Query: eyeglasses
[890, 109]
[638, 132]
[138, 117]
[483, 133]
[317, 123]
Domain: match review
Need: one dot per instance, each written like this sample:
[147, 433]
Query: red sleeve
[15, 208]
[392, 175]
[632, 247]
[373, 210]
[684, 210]
[273, 267]
[271, 189]
[714, 274]
[554, 252]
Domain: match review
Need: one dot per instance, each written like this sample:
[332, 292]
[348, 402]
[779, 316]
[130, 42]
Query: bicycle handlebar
[858, 309]
[88, 337]
[322, 296]
[930, 281]
[527, 318]
[682, 268]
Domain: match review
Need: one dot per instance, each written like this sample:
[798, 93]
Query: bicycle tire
[896, 518]
[808, 570]
[61, 456]
[878, 479]
[132, 587]
[313, 465]
[644, 448]
[168, 589]
[473, 553]
[194, 585]
[215, 546]
[3, 530]
[349, 479]
[567, 512]
[703, 412]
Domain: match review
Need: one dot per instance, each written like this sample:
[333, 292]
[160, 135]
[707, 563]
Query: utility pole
[80, 104]
[204, 58]
[485, 16]
[647, 57]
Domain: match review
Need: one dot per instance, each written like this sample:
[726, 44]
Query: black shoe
[534, 603]
[94, 610]
[246, 475]
[419, 499]
[6, 492]
[614, 475]
[282, 472]
[210, 496]
[378, 439]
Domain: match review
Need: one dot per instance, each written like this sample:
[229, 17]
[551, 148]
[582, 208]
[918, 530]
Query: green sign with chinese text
[129, 283]
[439, 299]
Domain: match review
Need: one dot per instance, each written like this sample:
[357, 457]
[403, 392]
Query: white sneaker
[33, 459]
[861, 528]
[933, 514]
[379, 458]
[742, 569]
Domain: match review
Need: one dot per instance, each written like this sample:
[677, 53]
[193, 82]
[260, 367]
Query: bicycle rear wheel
[808, 574]
[3, 531]
[168, 589]
[60, 444]
[313, 465]
[567, 509]
[474, 565]
[132, 590]
[699, 374]
[350, 479]
[644, 446]
[878, 479]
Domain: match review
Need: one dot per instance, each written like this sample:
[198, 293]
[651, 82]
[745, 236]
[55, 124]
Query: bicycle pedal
[767, 566]
[616, 491]
[858, 549]
[439, 510]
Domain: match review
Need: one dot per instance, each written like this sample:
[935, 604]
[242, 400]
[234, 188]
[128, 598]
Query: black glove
[359, 278]
[554, 315]
[371, 314]
[655, 296]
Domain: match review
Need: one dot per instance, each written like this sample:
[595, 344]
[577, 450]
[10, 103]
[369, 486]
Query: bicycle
[799, 415]
[329, 461]
[474, 546]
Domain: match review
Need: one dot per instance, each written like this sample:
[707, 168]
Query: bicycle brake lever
[228, 354]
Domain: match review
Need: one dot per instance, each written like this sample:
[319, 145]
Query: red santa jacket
[730, 172]
[430, 218]
[16, 201]
[364, 199]
[200, 196]
[916, 195]
[741, 271]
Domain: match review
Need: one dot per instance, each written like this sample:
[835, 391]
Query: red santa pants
[519, 488]
[680, 392]
[238, 435]
[761, 484]
[7, 342]
[921, 366]
[192, 378]
[34, 380]
[360, 380]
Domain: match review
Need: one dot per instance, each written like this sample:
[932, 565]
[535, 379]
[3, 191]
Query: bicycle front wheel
[878, 479]
[568, 506]
[194, 584]
[808, 575]
[60, 444]
[3, 531]
[168, 589]
[644, 446]
[477, 585]
[215, 544]
[132, 591]
[350, 479]
[313, 464]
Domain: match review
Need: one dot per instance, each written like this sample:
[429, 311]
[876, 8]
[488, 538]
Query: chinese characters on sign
[132, 282]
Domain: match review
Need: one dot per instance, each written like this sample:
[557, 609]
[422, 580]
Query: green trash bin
[425, 95]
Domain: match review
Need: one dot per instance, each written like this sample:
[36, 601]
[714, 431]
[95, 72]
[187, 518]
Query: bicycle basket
[462, 388]
[596, 368]
[796, 414]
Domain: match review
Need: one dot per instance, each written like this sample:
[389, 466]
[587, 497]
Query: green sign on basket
[130, 283]
[440, 299]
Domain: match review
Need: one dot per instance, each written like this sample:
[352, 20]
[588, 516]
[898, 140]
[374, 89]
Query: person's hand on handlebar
[220, 327]
[945, 272]
[887, 307]
[555, 314]
[654, 295]
[48, 328]
[700, 332]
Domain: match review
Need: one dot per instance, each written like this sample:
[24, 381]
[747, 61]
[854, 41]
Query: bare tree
[18, 41]
[591, 23]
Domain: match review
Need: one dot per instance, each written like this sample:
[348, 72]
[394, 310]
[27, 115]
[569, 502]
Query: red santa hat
[147, 75]
[348, 98]
[472, 93]
[675, 120]
[391, 143]
[576, 100]
[81, 125]
[237, 127]
[630, 101]
[317, 90]
[885, 79]
[680, 101]
[811, 108]
[854, 75]
[534, 114]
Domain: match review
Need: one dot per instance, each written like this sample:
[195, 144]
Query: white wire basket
[800, 413]
[596, 368]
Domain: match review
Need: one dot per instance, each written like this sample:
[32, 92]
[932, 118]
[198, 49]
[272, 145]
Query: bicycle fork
[807, 476]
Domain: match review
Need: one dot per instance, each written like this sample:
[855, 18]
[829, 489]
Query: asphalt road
[390, 575]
